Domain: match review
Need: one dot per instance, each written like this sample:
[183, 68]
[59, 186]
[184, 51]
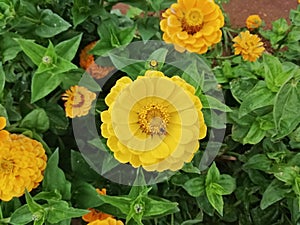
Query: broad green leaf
[209, 102]
[228, 184]
[32, 205]
[51, 24]
[286, 109]
[148, 27]
[54, 178]
[259, 96]
[155, 207]
[195, 187]
[287, 174]
[241, 87]
[295, 16]
[272, 69]
[213, 175]
[44, 195]
[34, 51]
[204, 204]
[36, 120]
[126, 35]
[259, 162]
[9, 47]
[57, 118]
[60, 210]
[42, 84]
[254, 135]
[2, 78]
[275, 192]
[215, 200]
[67, 49]
[21, 216]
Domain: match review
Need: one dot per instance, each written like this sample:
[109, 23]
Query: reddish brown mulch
[268, 10]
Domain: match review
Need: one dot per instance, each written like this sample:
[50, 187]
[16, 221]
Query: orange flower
[96, 214]
[22, 164]
[248, 45]
[107, 221]
[78, 101]
[253, 22]
[87, 62]
[3, 133]
[192, 25]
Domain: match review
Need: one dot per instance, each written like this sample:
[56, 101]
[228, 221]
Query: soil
[268, 10]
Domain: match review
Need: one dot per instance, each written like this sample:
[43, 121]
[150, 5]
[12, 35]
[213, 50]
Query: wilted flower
[78, 101]
[154, 122]
[192, 25]
[87, 62]
[248, 45]
[253, 22]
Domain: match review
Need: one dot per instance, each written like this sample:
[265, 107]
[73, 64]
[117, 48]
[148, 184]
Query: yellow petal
[189, 4]
[172, 21]
[2, 122]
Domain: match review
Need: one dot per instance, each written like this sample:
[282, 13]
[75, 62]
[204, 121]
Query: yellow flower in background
[248, 45]
[154, 122]
[107, 221]
[192, 25]
[22, 163]
[78, 101]
[253, 22]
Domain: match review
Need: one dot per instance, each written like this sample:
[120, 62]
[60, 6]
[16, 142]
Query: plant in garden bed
[92, 99]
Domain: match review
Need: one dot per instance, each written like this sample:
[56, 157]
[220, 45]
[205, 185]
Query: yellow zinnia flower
[253, 22]
[107, 221]
[192, 25]
[248, 45]
[78, 101]
[22, 163]
[154, 122]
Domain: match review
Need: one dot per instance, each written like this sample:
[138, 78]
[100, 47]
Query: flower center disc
[153, 119]
[192, 21]
[6, 166]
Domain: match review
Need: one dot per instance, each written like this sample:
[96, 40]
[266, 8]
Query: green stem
[172, 219]
[5, 220]
[32, 20]
[222, 57]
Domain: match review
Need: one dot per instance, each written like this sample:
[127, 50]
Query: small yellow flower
[22, 163]
[107, 221]
[78, 101]
[192, 25]
[248, 45]
[87, 62]
[253, 22]
[154, 122]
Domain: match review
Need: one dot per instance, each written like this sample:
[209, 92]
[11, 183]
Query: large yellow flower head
[107, 221]
[22, 163]
[253, 22]
[154, 121]
[192, 25]
[78, 101]
[248, 45]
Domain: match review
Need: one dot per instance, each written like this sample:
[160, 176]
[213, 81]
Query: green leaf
[42, 84]
[295, 17]
[54, 178]
[274, 192]
[213, 175]
[21, 216]
[60, 210]
[241, 87]
[259, 162]
[51, 24]
[155, 207]
[272, 69]
[2, 78]
[34, 51]
[36, 119]
[286, 109]
[9, 47]
[287, 174]
[57, 118]
[228, 184]
[126, 35]
[148, 28]
[67, 49]
[259, 96]
[195, 187]
[209, 102]
[38, 212]
[215, 200]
